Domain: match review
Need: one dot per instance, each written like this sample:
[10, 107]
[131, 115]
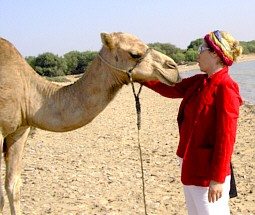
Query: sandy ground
[96, 169]
[246, 57]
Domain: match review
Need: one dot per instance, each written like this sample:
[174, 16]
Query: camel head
[125, 52]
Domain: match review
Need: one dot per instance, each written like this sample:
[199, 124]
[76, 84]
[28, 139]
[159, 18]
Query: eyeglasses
[202, 48]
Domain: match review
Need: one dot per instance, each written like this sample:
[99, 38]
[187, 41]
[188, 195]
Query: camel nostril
[170, 65]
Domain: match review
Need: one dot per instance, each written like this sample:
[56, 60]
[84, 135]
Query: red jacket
[207, 122]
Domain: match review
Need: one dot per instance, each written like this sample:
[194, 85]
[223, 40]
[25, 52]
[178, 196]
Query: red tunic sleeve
[177, 91]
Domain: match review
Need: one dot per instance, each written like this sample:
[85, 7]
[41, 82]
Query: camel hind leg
[1, 188]
[13, 156]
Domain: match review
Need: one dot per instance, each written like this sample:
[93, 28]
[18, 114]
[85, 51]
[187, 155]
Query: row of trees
[248, 47]
[51, 65]
[74, 62]
[180, 56]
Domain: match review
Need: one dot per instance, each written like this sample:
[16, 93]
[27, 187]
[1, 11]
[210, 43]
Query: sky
[60, 26]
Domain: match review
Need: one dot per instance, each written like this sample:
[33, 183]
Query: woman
[207, 122]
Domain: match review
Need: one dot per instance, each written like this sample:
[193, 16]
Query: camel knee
[12, 187]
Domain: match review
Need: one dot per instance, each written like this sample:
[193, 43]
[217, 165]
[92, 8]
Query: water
[244, 74]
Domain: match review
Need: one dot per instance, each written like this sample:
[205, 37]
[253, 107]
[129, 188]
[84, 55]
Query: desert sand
[96, 169]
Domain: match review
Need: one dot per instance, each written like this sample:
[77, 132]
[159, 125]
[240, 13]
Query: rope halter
[138, 113]
[127, 71]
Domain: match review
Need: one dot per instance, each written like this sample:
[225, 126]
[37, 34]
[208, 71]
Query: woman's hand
[215, 191]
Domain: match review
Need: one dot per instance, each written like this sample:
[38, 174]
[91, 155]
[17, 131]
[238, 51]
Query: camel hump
[8, 50]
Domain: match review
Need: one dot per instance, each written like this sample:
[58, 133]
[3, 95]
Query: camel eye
[135, 56]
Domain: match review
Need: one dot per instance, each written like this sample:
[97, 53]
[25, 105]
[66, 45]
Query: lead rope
[138, 112]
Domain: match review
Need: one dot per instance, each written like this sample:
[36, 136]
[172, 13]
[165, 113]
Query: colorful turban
[216, 41]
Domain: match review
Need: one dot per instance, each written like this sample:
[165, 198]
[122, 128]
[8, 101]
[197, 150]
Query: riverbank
[243, 58]
[246, 58]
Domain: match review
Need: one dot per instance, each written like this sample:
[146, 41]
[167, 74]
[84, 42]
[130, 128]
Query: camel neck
[73, 106]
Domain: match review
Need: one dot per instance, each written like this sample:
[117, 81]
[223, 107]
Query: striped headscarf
[218, 42]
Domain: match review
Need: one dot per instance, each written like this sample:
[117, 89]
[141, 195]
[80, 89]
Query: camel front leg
[15, 145]
[1, 188]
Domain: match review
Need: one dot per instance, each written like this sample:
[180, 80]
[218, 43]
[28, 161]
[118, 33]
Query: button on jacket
[207, 121]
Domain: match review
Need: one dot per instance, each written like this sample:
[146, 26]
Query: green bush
[51, 65]
[195, 44]
[248, 47]
[179, 57]
[165, 48]
[77, 62]
[191, 55]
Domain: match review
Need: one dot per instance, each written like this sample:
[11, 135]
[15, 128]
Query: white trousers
[196, 198]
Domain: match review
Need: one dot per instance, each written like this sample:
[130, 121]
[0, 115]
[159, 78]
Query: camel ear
[107, 40]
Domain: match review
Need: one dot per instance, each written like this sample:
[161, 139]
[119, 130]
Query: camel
[29, 100]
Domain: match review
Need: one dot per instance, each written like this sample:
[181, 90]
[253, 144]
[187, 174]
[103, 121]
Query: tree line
[75, 62]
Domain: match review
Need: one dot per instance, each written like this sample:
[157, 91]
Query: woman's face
[205, 58]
